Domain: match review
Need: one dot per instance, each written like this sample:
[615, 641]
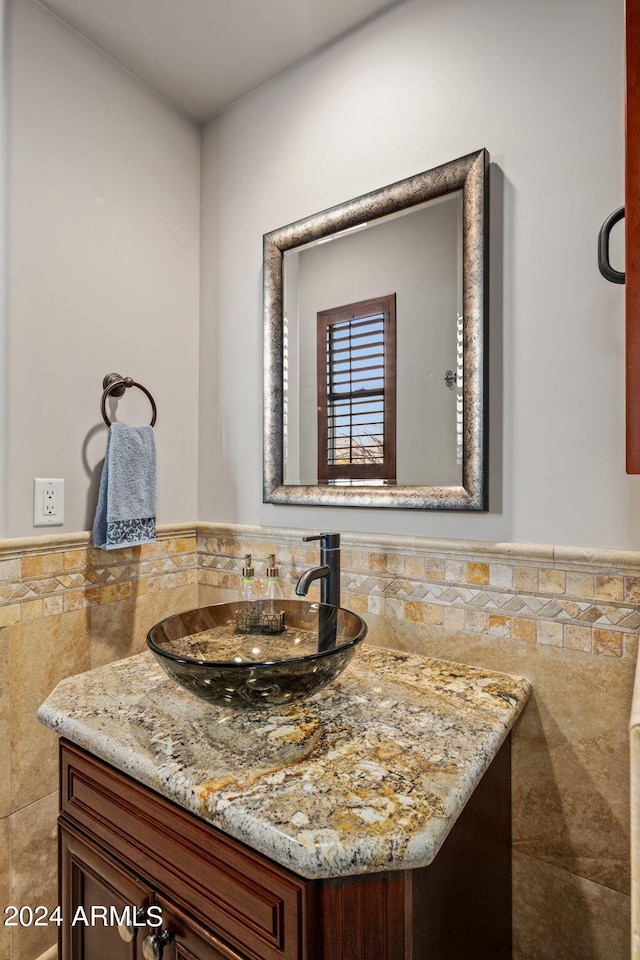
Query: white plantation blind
[356, 392]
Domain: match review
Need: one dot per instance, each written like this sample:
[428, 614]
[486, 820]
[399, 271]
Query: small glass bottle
[250, 593]
[273, 596]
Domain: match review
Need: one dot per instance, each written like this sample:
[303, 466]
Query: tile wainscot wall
[65, 608]
[568, 619]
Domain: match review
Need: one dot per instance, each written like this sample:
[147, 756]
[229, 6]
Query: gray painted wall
[540, 85]
[102, 270]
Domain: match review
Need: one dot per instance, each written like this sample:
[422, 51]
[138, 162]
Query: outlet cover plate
[48, 502]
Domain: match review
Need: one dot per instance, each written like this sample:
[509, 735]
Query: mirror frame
[469, 174]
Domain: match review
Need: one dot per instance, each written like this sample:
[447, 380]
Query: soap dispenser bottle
[273, 608]
[250, 586]
[273, 592]
[248, 613]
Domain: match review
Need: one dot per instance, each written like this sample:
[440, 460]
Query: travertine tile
[580, 585]
[123, 591]
[387, 632]
[375, 604]
[183, 545]
[577, 638]
[454, 618]
[119, 629]
[52, 606]
[478, 573]
[552, 581]
[53, 563]
[522, 629]
[632, 589]
[455, 571]
[32, 566]
[9, 615]
[10, 569]
[32, 610]
[5, 720]
[501, 575]
[395, 564]
[5, 885]
[360, 560]
[476, 621]
[109, 593]
[432, 613]
[525, 578]
[34, 877]
[499, 626]
[434, 568]
[210, 594]
[630, 646]
[413, 611]
[609, 588]
[414, 567]
[42, 654]
[394, 608]
[557, 916]
[75, 559]
[549, 633]
[358, 603]
[607, 642]
[570, 750]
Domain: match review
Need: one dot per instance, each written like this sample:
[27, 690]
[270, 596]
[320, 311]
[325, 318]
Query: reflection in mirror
[374, 344]
[356, 390]
[341, 391]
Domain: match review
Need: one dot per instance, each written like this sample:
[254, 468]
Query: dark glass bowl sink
[208, 652]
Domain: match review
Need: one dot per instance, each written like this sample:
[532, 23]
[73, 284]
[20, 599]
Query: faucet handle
[330, 541]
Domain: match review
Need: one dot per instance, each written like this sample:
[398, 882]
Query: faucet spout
[307, 578]
[328, 572]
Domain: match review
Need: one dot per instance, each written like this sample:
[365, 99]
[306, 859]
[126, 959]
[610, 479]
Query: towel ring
[115, 386]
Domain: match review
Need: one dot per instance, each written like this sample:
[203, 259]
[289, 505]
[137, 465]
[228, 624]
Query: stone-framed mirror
[375, 317]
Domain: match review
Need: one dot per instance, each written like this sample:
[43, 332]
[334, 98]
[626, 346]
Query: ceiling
[204, 54]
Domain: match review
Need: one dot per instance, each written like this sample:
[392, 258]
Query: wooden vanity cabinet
[92, 880]
[121, 844]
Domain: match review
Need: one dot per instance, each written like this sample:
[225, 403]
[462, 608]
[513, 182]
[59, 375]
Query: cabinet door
[259, 908]
[632, 235]
[94, 892]
[188, 940]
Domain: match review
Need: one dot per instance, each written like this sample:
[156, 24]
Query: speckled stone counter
[368, 775]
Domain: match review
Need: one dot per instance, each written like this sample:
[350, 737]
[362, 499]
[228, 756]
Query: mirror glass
[416, 256]
[374, 347]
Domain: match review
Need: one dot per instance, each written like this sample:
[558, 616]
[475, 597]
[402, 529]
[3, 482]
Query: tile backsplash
[65, 608]
[578, 599]
[568, 619]
[42, 577]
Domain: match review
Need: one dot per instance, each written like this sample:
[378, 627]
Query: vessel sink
[229, 655]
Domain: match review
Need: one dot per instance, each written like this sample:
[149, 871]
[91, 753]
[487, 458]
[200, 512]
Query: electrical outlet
[48, 502]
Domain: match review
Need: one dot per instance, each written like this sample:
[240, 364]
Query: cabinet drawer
[257, 906]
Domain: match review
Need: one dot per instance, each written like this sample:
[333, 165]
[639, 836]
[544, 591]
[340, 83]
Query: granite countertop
[369, 774]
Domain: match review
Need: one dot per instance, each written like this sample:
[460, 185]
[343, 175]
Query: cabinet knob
[153, 945]
[128, 931]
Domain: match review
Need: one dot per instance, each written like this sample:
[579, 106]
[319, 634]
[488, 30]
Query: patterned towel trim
[127, 533]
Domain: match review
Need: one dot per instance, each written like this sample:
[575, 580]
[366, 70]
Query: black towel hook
[114, 386]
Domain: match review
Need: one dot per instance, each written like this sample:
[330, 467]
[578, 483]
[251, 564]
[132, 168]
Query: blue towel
[126, 511]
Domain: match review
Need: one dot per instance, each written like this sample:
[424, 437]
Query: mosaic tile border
[46, 576]
[582, 600]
